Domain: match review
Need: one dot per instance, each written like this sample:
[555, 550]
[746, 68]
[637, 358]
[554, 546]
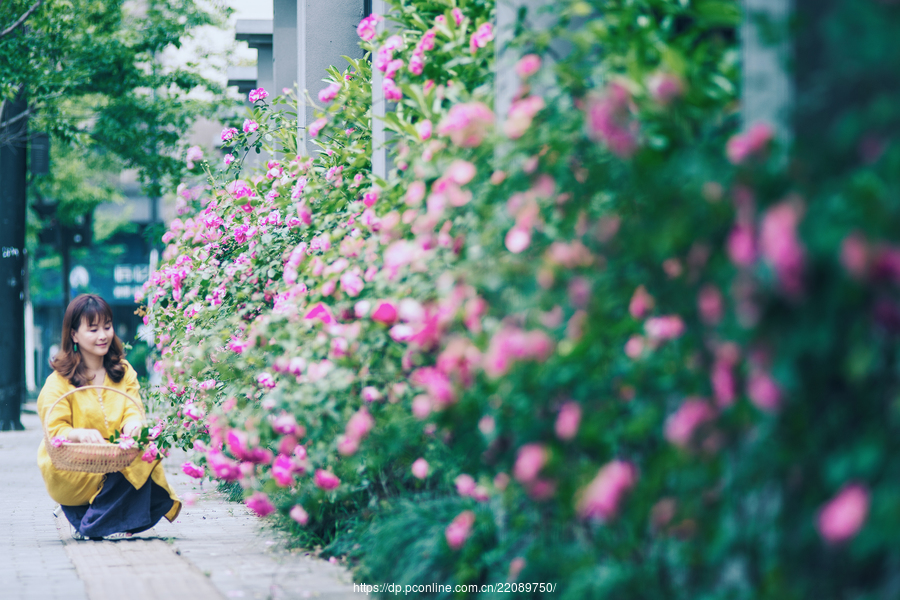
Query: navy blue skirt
[120, 508]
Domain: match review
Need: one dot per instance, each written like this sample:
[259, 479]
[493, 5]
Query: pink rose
[844, 515]
[459, 530]
[283, 471]
[601, 498]
[641, 302]
[482, 36]
[465, 485]
[266, 380]
[528, 65]
[517, 239]
[57, 442]
[151, 453]
[192, 470]
[299, 515]
[229, 133]
[723, 382]
[250, 126]
[466, 124]
[609, 121]
[529, 462]
[391, 91]
[385, 313]
[762, 390]
[326, 480]
[286, 424]
[258, 94]
[260, 504]
[568, 420]
[371, 394]
[751, 143]
[223, 467]
[781, 247]
[681, 425]
[710, 304]
[330, 93]
[194, 412]
[420, 468]
[352, 283]
[664, 88]
[366, 28]
[664, 328]
[360, 424]
[316, 126]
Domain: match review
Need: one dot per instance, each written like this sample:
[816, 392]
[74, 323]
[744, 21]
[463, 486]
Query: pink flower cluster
[603, 496]
[481, 38]
[459, 530]
[608, 120]
[367, 27]
[257, 95]
[750, 144]
[466, 124]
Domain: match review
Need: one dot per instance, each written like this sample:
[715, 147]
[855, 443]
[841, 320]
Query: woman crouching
[116, 504]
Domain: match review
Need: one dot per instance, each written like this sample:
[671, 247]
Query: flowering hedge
[602, 340]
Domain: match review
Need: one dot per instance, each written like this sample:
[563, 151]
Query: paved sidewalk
[215, 550]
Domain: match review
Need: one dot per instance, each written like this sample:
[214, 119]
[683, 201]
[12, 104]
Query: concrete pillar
[284, 40]
[326, 32]
[767, 93]
[380, 160]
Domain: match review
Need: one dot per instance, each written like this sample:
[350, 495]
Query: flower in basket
[156, 430]
[126, 443]
[151, 453]
[57, 442]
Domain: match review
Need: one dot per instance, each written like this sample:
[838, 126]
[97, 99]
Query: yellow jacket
[82, 411]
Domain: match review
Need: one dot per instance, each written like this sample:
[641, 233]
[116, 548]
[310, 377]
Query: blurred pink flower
[151, 453]
[664, 88]
[194, 154]
[528, 65]
[745, 145]
[424, 129]
[568, 420]
[416, 63]
[844, 515]
[530, 459]
[641, 303]
[420, 468]
[194, 412]
[521, 114]
[299, 515]
[391, 91]
[330, 93]
[385, 313]
[352, 283]
[438, 386]
[667, 327]
[459, 530]
[286, 424]
[360, 424]
[609, 121]
[223, 467]
[316, 126]
[320, 312]
[741, 245]
[681, 425]
[710, 304]
[635, 347]
[602, 496]
[266, 380]
[370, 394]
[465, 485]
[517, 239]
[250, 126]
[260, 504]
[460, 172]
[466, 124]
[283, 471]
[855, 255]
[723, 382]
[457, 16]
[366, 28]
[192, 470]
[780, 245]
[326, 480]
[762, 390]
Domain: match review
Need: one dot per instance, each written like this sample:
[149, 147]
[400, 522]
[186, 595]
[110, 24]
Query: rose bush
[604, 339]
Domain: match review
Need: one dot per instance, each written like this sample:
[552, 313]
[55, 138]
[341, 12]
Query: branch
[18, 117]
[22, 19]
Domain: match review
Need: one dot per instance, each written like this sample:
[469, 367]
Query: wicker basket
[90, 458]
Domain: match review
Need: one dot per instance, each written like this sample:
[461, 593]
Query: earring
[75, 346]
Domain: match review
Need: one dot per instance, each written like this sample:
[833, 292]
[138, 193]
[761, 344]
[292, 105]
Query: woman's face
[93, 338]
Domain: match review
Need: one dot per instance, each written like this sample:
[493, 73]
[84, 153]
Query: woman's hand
[130, 429]
[85, 436]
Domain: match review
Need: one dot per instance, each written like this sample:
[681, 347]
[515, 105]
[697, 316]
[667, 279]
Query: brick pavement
[214, 550]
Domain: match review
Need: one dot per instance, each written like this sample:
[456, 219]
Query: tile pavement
[214, 550]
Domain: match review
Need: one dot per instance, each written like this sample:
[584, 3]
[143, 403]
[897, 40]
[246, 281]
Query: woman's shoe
[76, 535]
[122, 535]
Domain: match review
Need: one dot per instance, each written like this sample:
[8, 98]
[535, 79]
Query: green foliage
[610, 248]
